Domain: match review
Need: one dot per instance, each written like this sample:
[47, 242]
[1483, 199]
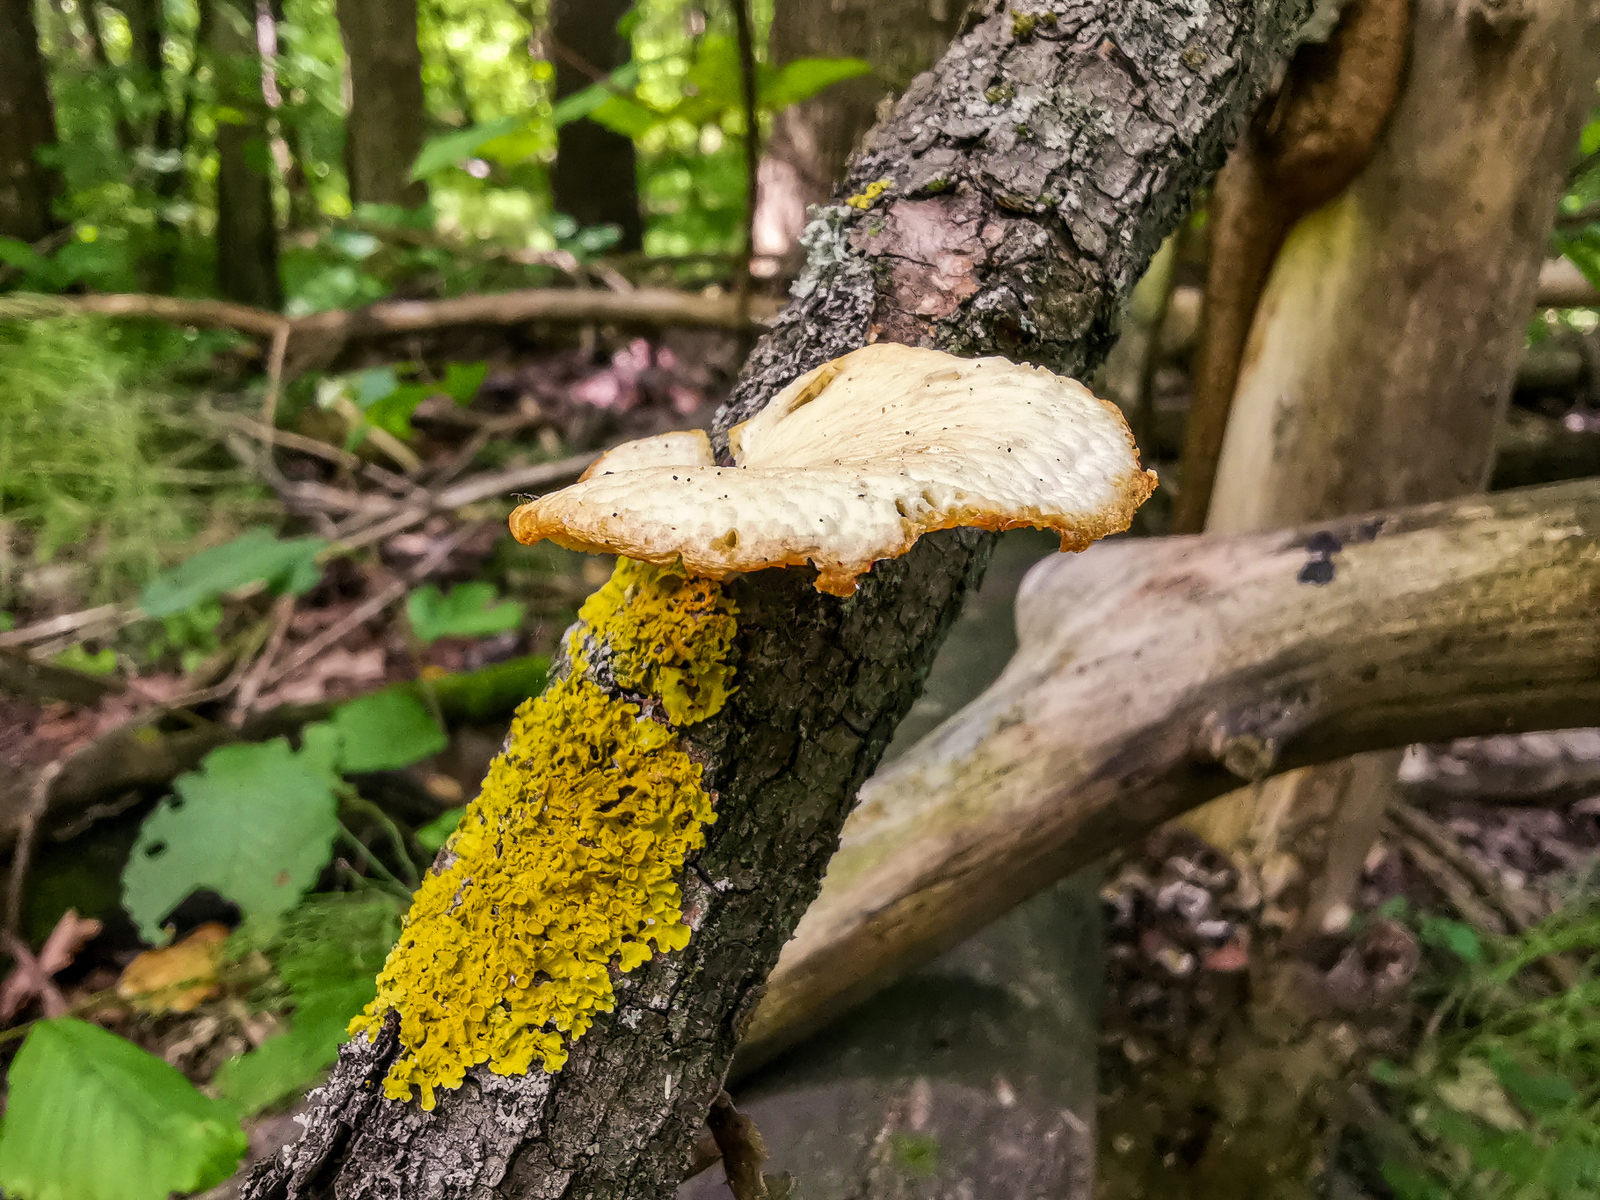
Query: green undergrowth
[105, 476]
[1501, 1099]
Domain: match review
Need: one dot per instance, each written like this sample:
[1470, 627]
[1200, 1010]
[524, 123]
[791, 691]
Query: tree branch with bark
[1013, 197]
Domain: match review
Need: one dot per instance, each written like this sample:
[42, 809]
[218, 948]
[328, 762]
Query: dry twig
[27, 838]
[739, 1142]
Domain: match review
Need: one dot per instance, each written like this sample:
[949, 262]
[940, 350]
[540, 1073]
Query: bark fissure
[1001, 243]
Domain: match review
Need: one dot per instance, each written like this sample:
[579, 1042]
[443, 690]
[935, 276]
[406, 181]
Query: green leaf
[334, 939]
[93, 1117]
[448, 149]
[468, 611]
[373, 385]
[394, 411]
[254, 555]
[1409, 1183]
[255, 824]
[628, 117]
[385, 731]
[1542, 1094]
[1574, 1168]
[462, 380]
[584, 102]
[805, 77]
[1460, 940]
[437, 831]
[76, 658]
[282, 1066]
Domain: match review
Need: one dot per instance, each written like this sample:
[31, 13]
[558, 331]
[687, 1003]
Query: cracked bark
[1034, 172]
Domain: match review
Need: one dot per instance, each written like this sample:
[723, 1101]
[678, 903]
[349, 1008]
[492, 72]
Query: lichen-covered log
[1153, 675]
[1015, 194]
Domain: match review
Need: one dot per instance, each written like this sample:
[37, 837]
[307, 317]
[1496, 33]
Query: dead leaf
[31, 977]
[176, 978]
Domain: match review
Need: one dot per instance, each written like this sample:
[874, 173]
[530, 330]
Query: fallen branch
[1152, 676]
[141, 754]
[316, 341]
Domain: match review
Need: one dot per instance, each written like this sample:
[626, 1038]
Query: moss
[863, 199]
[566, 866]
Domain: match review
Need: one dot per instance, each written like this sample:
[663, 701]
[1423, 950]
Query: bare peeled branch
[318, 341]
[1152, 676]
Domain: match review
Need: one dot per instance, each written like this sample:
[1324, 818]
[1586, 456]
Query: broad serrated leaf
[468, 611]
[256, 555]
[805, 77]
[282, 1066]
[92, 1117]
[255, 824]
[385, 731]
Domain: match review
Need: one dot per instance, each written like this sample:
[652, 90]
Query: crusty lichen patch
[566, 866]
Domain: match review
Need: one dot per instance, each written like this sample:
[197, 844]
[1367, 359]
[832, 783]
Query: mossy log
[1006, 206]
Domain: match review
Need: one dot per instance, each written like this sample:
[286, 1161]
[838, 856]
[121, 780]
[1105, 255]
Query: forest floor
[1229, 1066]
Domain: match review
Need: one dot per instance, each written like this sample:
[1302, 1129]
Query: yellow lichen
[864, 198]
[566, 866]
[669, 636]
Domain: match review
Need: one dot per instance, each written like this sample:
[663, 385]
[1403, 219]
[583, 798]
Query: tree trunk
[594, 179]
[1383, 350]
[812, 141]
[247, 228]
[1010, 230]
[1441, 621]
[386, 122]
[27, 122]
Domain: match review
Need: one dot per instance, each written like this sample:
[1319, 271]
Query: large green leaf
[255, 824]
[385, 731]
[468, 611]
[93, 1117]
[254, 555]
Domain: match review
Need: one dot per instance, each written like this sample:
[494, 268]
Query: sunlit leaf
[91, 1116]
[254, 824]
[256, 555]
[448, 149]
[468, 611]
[385, 731]
[76, 658]
[805, 77]
[584, 101]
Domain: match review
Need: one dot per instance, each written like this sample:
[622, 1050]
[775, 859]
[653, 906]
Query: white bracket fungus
[854, 461]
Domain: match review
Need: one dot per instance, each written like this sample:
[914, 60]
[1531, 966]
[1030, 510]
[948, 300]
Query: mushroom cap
[854, 461]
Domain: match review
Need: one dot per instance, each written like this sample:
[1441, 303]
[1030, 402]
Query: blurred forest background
[295, 297]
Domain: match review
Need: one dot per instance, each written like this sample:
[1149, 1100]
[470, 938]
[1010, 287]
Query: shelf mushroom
[852, 463]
